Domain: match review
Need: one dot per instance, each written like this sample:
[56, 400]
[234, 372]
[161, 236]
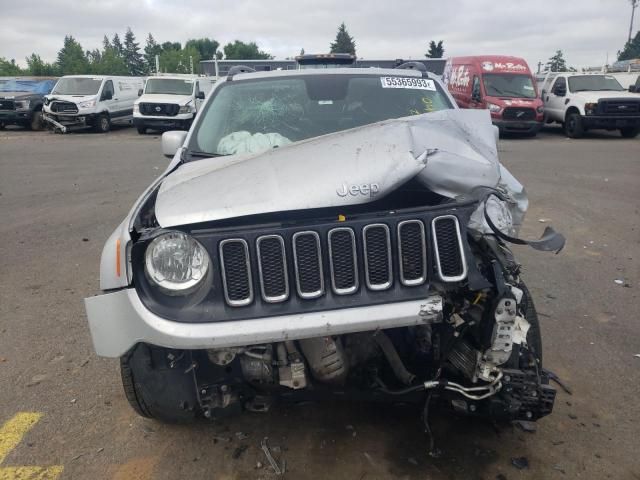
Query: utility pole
[634, 4]
[539, 66]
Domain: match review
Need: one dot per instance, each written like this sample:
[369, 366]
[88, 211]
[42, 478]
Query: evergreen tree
[244, 51]
[9, 68]
[557, 63]
[106, 44]
[436, 50]
[631, 49]
[151, 49]
[344, 42]
[71, 58]
[117, 45]
[133, 59]
[206, 47]
[36, 66]
[301, 51]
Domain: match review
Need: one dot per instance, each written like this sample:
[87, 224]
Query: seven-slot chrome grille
[341, 260]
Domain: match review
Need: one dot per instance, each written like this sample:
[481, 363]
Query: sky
[586, 30]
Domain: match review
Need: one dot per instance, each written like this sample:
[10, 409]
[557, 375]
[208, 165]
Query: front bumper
[72, 120]
[163, 122]
[512, 126]
[15, 117]
[119, 320]
[610, 122]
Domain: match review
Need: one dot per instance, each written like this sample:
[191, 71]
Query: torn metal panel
[451, 152]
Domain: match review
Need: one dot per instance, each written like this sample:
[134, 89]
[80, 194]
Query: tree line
[127, 57]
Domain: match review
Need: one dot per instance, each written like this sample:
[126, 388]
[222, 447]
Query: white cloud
[587, 30]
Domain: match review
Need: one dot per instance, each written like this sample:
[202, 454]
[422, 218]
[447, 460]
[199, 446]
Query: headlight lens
[22, 104]
[186, 109]
[87, 104]
[493, 108]
[176, 262]
[590, 108]
[136, 108]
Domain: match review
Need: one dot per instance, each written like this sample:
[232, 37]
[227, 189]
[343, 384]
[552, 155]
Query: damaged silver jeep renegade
[324, 233]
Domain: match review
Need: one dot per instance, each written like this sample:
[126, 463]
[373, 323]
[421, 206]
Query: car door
[476, 94]
[108, 98]
[555, 100]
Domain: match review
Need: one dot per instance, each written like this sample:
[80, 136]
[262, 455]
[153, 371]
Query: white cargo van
[170, 101]
[83, 101]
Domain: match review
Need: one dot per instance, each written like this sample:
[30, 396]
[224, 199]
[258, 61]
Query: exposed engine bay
[294, 290]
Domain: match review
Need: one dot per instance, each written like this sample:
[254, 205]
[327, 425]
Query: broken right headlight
[176, 262]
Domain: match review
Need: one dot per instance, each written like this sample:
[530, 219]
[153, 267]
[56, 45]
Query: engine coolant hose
[400, 371]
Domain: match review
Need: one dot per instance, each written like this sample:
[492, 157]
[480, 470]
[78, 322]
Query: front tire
[103, 124]
[37, 122]
[573, 126]
[156, 391]
[630, 132]
[141, 130]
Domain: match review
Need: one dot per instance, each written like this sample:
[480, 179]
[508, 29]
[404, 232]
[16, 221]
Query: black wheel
[573, 127]
[141, 130]
[630, 132]
[2, 126]
[103, 123]
[155, 391]
[37, 123]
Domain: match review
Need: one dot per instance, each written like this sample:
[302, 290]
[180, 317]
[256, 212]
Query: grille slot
[272, 266]
[159, 109]
[619, 107]
[519, 113]
[64, 107]
[412, 252]
[377, 251]
[447, 244]
[236, 272]
[343, 260]
[307, 259]
[6, 104]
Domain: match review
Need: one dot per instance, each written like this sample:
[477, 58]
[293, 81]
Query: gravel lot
[60, 198]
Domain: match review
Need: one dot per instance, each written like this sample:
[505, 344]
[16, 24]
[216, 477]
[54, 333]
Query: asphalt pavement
[63, 413]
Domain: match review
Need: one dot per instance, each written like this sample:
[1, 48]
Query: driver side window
[107, 91]
[475, 89]
[559, 86]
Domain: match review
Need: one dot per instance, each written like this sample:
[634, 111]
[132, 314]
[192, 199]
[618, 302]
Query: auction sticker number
[408, 82]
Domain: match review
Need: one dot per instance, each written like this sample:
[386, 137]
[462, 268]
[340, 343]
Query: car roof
[404, 72]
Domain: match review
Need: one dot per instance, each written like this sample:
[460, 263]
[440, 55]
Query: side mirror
[200, 95]
[172, 141]
[140, 92]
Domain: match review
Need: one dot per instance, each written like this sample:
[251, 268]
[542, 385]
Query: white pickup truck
[586, 101]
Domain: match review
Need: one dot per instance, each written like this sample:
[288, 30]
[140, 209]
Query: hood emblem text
[366, 190]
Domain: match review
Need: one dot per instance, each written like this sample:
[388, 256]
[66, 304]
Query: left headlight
[87, 104]
[176, 262]
[186, 109]
[493, 108]
[22, 104]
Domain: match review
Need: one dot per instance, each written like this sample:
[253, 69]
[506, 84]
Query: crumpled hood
[164, 98]
[71, 98]
[451, 151]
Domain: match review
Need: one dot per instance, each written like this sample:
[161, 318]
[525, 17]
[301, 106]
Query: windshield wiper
[196, 154]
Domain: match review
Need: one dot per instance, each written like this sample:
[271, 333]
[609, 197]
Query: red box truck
[503, 85]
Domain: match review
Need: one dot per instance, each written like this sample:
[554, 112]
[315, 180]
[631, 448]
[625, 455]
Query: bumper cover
[601, 121]
[15, 117]
[119, 320]
[531, 126]
[167, 122]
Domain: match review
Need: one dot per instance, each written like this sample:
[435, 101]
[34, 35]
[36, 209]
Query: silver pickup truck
[325, 233]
